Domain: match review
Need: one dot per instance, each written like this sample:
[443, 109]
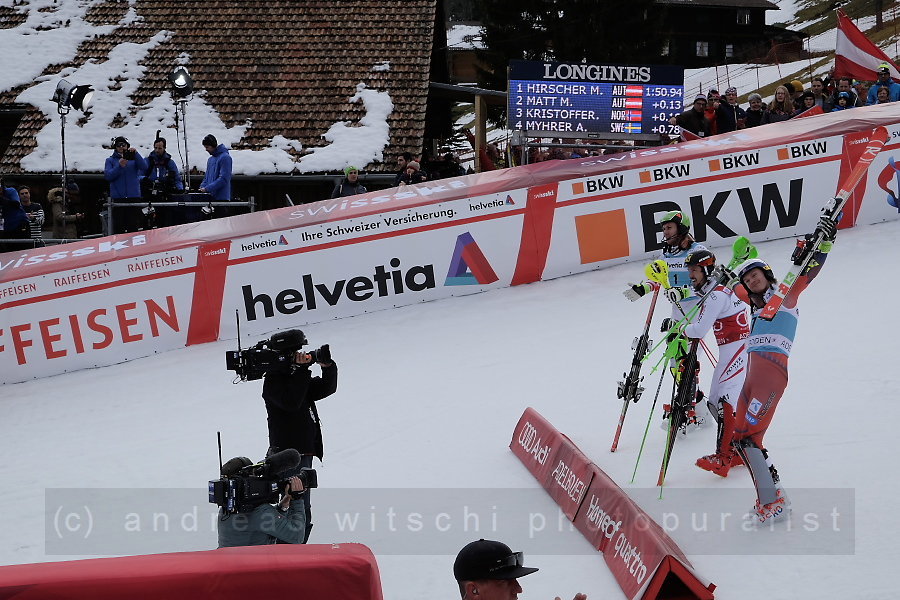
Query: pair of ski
[630, 390]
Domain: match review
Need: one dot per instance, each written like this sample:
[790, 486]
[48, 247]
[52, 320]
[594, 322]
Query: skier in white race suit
[726, 314]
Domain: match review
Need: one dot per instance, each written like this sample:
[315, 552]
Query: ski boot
[773, 512]
[718, 463]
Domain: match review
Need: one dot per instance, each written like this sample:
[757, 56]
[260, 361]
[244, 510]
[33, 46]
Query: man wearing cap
[488, 570]
[730, 116]
[123, 170]
[694, 119]
[349, 185]
[884, 80]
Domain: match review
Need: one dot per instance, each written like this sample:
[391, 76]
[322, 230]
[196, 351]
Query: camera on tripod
[244, 485]
[271, 355]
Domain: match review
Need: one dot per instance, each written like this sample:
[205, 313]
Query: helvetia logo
[469, 266]
[282, 241]
[509, 201]
[262, 245]
[382, 283]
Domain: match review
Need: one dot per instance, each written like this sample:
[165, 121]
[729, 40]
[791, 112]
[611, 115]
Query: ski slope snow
[427, 401]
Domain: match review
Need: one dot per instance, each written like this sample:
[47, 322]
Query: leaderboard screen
[565, 99]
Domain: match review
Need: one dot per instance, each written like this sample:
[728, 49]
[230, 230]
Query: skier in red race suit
[768, 349]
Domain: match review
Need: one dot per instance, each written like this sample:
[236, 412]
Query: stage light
[69, 96]
[181, 81]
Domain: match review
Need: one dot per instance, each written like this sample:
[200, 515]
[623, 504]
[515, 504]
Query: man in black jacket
[291, 395]
[694, 119]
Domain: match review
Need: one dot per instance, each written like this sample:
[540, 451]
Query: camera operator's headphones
[292, 339]
[234, 466]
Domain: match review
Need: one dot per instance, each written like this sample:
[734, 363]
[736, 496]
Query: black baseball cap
[487, 559]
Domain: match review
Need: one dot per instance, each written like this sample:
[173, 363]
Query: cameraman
[163, 178]
[291, 395]
[265, 524]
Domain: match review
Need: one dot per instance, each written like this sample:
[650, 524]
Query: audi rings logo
[532, 443]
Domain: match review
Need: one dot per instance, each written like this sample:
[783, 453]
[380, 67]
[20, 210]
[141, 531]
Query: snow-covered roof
[289, 86]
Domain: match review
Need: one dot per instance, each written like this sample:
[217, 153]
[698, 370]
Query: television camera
[273, 354]
[244, 485]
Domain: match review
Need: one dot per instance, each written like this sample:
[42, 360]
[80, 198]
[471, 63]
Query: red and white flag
[855, 55]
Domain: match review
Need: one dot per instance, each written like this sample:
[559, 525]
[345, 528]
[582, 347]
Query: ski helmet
[702, 258]
[679, 218]
[756, 263]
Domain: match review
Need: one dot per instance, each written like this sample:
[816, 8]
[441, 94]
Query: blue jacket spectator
[162, 168]
[124, 179]
[884, 80]
[217, 181]
[14, 217]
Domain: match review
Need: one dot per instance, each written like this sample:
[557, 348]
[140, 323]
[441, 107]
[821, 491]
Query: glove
[725, 275]
[636, 290]
[677, 294]
[667, 324]
[828, 228]
[323, 354]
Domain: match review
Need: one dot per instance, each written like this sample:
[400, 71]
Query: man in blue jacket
[884, 80]
[123, 171]
[15, 221]
[217, 181]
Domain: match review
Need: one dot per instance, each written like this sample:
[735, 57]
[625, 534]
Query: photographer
[123, 170]
[290, 393]
[267, 524]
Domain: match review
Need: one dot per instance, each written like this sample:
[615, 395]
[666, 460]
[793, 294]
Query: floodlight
[181, 81]
[68, 96]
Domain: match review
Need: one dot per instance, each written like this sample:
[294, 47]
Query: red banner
[854, 145]
[641, 556]
[225, 574]
[535, 442]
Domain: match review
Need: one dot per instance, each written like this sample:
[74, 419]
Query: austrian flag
[855, 55]
[634, 103]
[634, 90]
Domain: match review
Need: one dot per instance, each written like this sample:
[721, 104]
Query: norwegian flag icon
[634, 115]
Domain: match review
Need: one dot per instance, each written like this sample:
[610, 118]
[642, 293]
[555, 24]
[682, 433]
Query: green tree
[592, 31]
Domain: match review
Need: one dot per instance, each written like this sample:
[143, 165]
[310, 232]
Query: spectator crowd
[712, 113]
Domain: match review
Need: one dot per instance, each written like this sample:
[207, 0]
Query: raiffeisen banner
[100, 302]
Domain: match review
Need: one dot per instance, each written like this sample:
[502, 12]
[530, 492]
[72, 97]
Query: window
[702, 48]
[729, 50]
[743, 17]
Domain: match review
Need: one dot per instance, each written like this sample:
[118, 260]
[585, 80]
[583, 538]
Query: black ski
[681, 403]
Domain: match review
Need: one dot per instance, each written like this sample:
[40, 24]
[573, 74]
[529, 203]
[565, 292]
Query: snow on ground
[427, 402]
